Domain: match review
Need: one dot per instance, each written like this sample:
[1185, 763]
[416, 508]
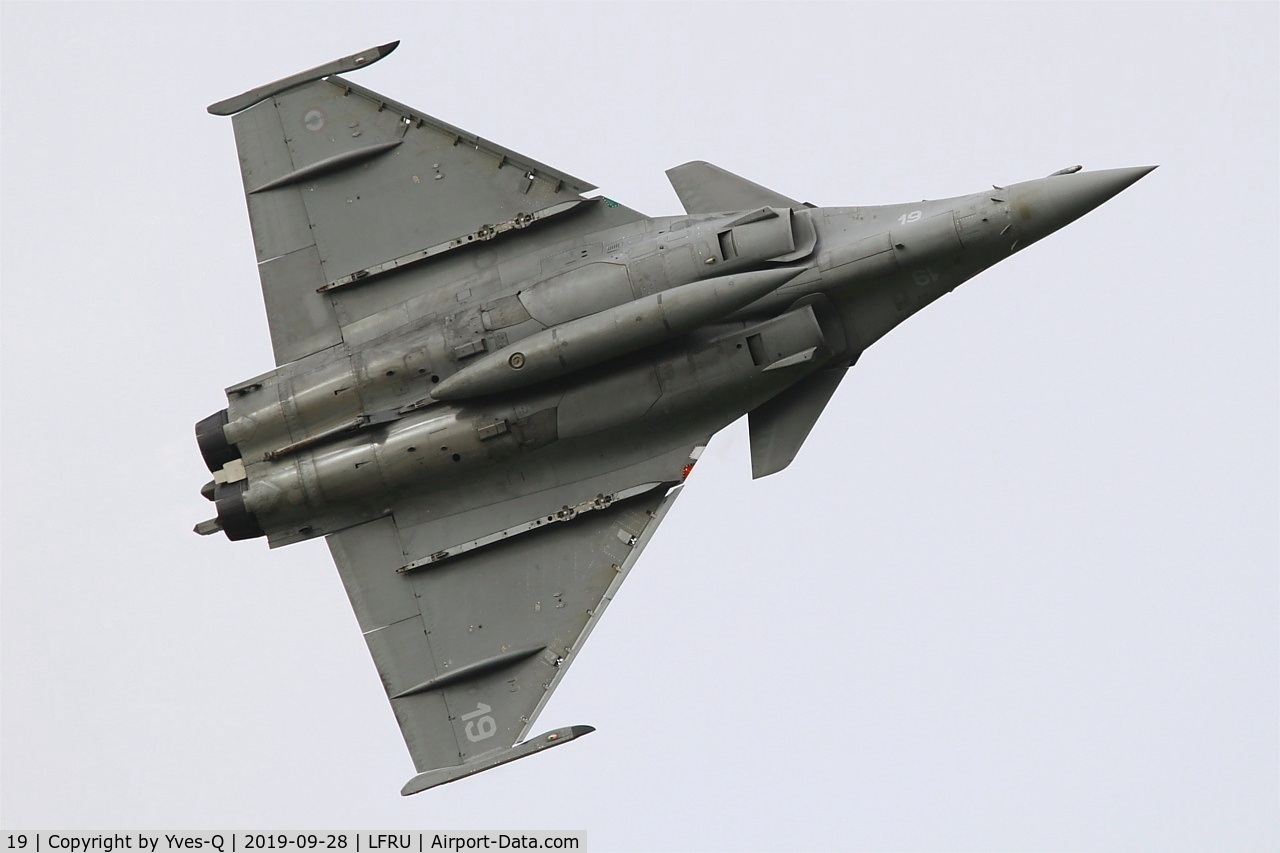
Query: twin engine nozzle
[228, 485]
[214, 447]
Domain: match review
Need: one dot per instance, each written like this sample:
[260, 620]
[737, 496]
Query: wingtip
[444, 775]
[243, 101]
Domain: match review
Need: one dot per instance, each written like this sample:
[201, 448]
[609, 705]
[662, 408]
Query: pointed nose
[1041, 207]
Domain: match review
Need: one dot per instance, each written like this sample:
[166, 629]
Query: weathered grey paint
[489, 389]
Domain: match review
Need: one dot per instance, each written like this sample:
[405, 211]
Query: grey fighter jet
[490, 387]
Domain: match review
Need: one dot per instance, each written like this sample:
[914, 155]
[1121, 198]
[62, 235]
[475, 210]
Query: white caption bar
[267, 842]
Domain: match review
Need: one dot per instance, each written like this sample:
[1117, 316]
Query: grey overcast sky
[1018, 591]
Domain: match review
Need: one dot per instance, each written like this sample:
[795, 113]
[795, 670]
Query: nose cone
[1041, 207]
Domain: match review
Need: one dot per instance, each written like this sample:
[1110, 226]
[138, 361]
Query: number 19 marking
[477, 730]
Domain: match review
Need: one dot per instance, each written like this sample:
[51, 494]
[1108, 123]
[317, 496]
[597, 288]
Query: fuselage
[613, 342]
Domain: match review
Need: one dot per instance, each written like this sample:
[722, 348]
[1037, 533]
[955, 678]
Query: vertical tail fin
[704, 188]
[780, 426]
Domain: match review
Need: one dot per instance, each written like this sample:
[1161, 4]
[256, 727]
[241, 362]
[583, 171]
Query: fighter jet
[490, 386]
